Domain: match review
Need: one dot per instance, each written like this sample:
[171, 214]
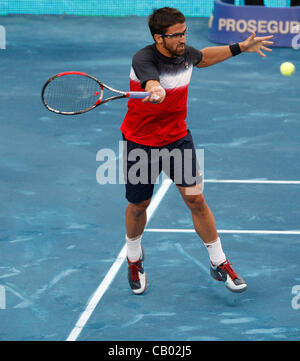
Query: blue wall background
[113, 8]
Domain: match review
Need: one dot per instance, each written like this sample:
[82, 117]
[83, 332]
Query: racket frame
[100, 100]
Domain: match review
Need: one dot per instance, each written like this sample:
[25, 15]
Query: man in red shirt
[158, 122]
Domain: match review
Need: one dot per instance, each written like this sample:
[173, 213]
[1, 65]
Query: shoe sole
[141, 291]
[238, 290]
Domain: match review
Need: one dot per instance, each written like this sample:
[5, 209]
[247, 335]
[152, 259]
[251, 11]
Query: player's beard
[179, 50]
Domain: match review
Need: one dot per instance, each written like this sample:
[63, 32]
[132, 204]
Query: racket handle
[137, 95]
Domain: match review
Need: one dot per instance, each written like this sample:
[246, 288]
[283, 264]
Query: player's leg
[139, 190]
[191, 190]
[135, 220]
[203, 218]
[185, 172]
[204, 224]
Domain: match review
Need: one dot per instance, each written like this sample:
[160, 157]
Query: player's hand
[256, 44]
[157, 95]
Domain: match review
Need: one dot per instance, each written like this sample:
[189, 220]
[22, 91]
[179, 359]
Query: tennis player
[158, 122]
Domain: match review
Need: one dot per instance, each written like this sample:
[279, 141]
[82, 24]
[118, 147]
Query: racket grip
[138, 95]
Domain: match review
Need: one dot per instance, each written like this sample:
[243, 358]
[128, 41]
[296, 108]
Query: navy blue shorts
[143, 164]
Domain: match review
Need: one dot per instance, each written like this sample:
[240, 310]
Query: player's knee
[196, 203]
[139, 208]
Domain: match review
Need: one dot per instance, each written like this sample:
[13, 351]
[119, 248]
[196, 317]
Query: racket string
[72, 93]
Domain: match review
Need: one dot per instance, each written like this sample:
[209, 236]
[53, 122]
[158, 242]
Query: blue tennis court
[62, 274]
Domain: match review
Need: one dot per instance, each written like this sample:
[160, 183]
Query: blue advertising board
[230, 23]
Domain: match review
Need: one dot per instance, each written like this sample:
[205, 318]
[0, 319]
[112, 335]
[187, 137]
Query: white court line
[97, 295]
[230, 231]
[251, 181]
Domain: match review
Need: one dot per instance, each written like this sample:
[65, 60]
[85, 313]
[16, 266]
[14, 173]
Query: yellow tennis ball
[287, 68]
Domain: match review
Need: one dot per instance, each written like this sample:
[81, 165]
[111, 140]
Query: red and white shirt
[164, 123]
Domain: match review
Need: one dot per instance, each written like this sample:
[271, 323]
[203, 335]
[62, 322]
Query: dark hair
[162, 18]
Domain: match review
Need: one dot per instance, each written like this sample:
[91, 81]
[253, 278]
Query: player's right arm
[145, 68]
[157, 92]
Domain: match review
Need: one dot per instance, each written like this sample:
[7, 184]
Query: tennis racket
[75, 92]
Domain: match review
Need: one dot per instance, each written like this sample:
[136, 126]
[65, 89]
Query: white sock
[134, 249]
[215, 252]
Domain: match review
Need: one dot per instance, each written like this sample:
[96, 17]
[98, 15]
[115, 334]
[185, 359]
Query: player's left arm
[216, 54]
